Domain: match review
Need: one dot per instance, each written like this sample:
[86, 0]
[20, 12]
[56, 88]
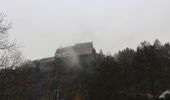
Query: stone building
[76, 50]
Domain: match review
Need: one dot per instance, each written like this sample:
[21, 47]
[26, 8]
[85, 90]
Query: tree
[6, 47]
[107, 82]
[148, 65]
[9, 56]
[125, 59]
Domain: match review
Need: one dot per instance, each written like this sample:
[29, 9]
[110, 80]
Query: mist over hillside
[128, 75]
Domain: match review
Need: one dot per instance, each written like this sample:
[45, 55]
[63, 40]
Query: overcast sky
[42, 26]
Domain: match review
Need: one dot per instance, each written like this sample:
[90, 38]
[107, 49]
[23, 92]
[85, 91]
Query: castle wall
[78, 49]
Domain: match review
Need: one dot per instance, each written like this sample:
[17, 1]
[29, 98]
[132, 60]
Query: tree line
[128, 75]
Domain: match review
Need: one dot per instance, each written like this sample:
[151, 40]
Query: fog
[42, 26]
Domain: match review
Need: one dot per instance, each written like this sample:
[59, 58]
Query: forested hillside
[143, 73]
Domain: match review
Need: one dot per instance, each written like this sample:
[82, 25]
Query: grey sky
[42, 26]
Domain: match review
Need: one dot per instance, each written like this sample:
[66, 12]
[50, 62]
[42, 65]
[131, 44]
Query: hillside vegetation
[128, 75]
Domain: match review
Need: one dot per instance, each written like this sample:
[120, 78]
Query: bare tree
[10, 57]
[6, 47]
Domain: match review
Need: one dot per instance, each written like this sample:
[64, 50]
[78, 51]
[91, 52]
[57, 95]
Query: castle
[76, 50]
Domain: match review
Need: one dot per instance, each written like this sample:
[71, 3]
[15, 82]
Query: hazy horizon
[42, 26]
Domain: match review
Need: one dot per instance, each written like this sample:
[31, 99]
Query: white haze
[42, 26]
[73, 61]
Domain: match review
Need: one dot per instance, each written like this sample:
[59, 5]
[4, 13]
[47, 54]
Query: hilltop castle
[76, 50]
